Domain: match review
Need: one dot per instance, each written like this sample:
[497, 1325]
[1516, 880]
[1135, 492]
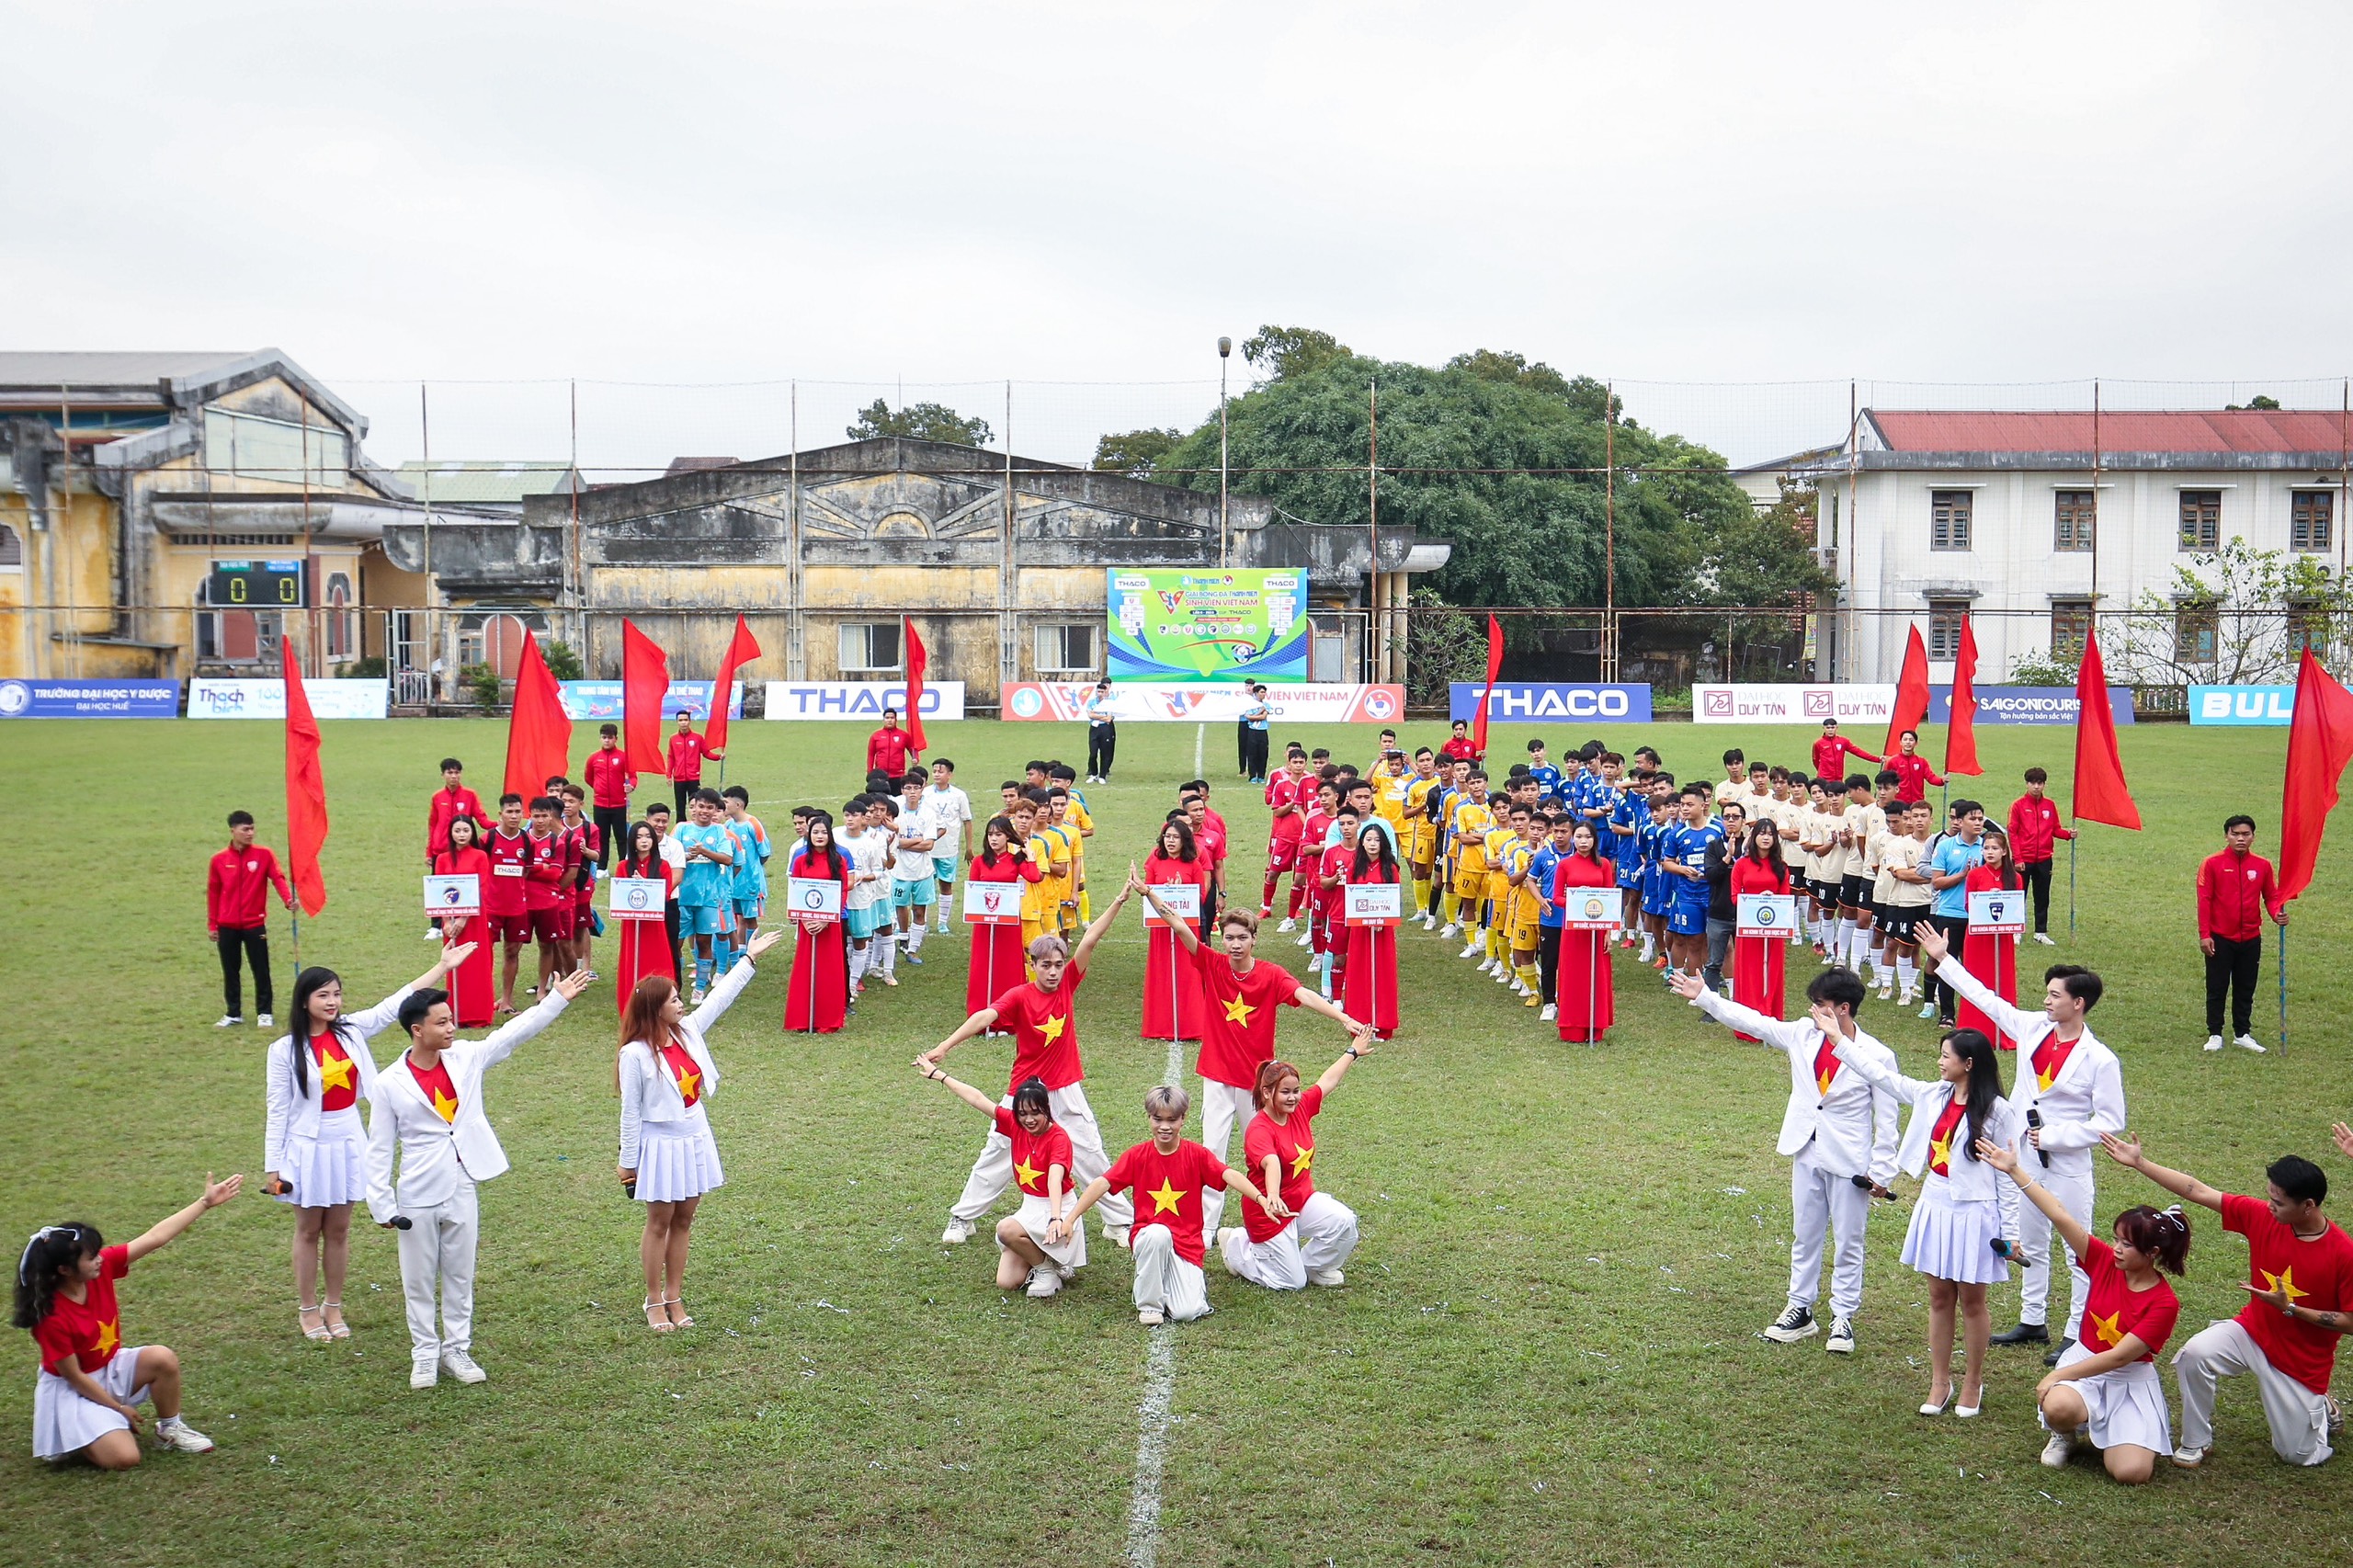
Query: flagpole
[2071, 883]
[2283, 990]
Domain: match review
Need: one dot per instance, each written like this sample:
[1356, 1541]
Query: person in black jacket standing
[1720, 855]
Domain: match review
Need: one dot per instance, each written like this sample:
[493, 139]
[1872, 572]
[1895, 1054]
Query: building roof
[2243, 432]
[489, 482]
[146, 372]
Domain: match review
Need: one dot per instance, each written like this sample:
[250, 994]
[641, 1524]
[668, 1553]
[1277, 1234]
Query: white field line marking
[1200, 733]
[1154, 1413]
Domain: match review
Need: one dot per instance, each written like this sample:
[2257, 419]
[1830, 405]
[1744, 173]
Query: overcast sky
[1090, 194]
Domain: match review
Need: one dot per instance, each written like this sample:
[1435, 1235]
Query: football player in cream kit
[426, 1116]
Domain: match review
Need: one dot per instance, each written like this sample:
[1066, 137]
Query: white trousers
[2299, 1418]
[1225, 1111]
[1178, 1289]
[1322, 1236]
[438, 1249]
[2033, 1229]
[993, 1171]
[1825, 1203]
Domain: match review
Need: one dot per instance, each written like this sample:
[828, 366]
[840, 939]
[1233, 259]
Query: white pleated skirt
[2127, 1406]
[678, 1160]
[1951, 1240]
[331, 1168]
[1033, 1214]
[65, 1423]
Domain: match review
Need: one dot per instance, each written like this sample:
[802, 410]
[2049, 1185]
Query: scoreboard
[257, 585]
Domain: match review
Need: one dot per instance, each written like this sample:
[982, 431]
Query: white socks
[916, 935]
[1906, 975]
[857, 963]
[1859, 944]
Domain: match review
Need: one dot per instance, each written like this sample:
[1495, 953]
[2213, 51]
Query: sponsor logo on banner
[861, 699]
[208, 699]
[1529, 701]
[2025, 704]
[89, 700]
[1745, 704]
[1143, 702]
[2242, 704]
[602, 699]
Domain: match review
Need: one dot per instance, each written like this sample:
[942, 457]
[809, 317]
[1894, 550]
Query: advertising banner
[1140, 702]
[1371, 903]
[2025, 704]
[2242, 704]
[209, 698]
[1520, 701]
[602, 699]
[89, 700]
[1196, 627]
[1745, 704]
[861, 699]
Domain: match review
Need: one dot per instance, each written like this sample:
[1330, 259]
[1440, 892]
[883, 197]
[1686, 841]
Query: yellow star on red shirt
[445, 1106]
[1051, 1029]
[334, 1071]
[1164, 1201]
[2109, 1335]
[1026, 1173]
[110, 1336]
[1304, 1158]
[1238, 1011]
[2285, 1283]
[1941, 1152]
[688, 1082]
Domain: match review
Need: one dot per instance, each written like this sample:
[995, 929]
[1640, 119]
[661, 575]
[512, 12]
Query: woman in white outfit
[314, 1150]
[1955, 1233]
[1310, 1243]
[669, 1158]
[1042, 1164]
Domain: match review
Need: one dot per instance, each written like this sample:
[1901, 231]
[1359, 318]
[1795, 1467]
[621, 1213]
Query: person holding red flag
[1912, 771]
[2235, 887]
[1831, 751]
[538, 732]
[2035, 832]
[2101, 793]
[684, 760]
[816, 993]
[236, 917]
[1911, 693]
[611, 779]
[890, 749]
[1487, 697]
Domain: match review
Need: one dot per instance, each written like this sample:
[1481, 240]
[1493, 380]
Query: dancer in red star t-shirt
[1171, 1177]
[1041, 1165]
[1311, 1244]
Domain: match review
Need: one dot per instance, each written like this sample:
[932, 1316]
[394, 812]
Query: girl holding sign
[473, 991]
[1172, 998]
[994, 953]
[816, 998]
[1757, 961]
[1993, 959]
[1581, 989]
[644, 944]
[1369, 976]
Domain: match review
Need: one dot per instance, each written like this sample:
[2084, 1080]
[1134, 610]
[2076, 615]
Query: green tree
[1134, 452]
[920, 421]
[1283, 351]
[2238, 615]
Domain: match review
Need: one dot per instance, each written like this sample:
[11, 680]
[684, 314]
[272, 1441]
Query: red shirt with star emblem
[338, 1079]
[1034, 1156]
[2114, 1309]
[1238, 1014]
[438, 1089]
[684, 1072]
[1045, 1035]
[2316, 1274]
[1168, 1189]
[90, 1330]
[1292, 1143]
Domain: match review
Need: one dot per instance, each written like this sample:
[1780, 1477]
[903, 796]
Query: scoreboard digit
[257, 585]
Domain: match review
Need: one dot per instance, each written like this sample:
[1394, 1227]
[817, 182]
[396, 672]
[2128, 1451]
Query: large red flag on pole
[742, 649]
[2100, 792]
[1911, 709]
[1494, 668]
[306, 790]
[918, 659]
[538, 732]
[2320, 744]
[1960, 724]
[645, 686]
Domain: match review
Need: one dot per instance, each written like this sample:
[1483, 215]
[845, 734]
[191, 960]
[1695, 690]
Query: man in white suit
[428, 1110]
[1839, 1135]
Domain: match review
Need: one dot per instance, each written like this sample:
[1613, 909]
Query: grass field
[1545, 1352]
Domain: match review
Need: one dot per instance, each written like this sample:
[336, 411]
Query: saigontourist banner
[1146, 702]
[2242, 704]
[602, 699]
[209, 698]
[861, 699]
[1178, 627]
[89, 700]
[1744, 704]
[2027, 704]
[1521, 702]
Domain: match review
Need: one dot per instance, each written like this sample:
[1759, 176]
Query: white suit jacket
[292, 1115]
[1855, 1123]
[2085, 1100]
[648, 1092]
[1973, 1179]
[436, 1155]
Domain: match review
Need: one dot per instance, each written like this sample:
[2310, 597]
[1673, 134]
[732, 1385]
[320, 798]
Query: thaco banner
[861, 699]
[1521, 702]
[89, 700]
[1207, 627]
[1140, 702]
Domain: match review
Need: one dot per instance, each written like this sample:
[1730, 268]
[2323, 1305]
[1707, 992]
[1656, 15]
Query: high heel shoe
[309, 1331]
[658, 1324]
[1940, 1409]
[1969, 1412]
[337, 1329]
[681, 1320]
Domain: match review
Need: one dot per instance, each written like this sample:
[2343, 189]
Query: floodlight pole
[1224, 352]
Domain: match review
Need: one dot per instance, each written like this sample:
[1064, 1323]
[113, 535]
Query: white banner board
[1767, 914]
[1997, 912]
[636, 898]
[993, 903]
[812, 896]
[212, 698]
[1183, 898]
[1751, 704]
[453, 895]
[1371, 903]
[861, 699]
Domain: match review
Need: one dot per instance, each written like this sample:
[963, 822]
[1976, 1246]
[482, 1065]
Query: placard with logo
[1767, 914]
[993, 903]
[1183, 898]
[1371, 903]
[636, 898]
[1590, 909]
[1997, 912]
[812, 897]
[453, 896]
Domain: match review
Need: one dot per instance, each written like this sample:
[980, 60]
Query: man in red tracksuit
[2035, 833]
[1458, 744]
[2235, 887]
[1911, 770]
[685, 763]
[888, 748]
[609, 779]
[236, 915]
[1830, 754]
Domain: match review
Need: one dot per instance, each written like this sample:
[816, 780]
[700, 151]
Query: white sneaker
[1044, 1283]
[181, 1438]
[265, 1021]
[1470, 950]
[1886, 990]
[1150, 1317]
[958, 1233]
[424, 1374]
[1307, 938]
[229, 1022]
[1116, 1234]
[2059, 1450]
[431, 934]
[1842, 1337]
[2190, 1458]
[1448, 935]
[2044, 937]
[2248, 1043]
[1326, 1277]
[1289, 925]
[1550, 1013]
[2213, 1042]
[1429, 922]
[460, 1366]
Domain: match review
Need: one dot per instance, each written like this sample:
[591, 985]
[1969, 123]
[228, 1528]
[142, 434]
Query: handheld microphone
[1872, 1188]
[2008, 1254]
[402, 1223]
[2034, 1120]
[281, 1187]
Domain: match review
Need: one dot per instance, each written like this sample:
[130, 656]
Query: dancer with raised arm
[1026, 1259]
[1311, 1244]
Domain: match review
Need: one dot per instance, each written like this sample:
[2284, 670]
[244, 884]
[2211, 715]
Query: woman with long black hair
[1172, 998]
[1955, 1233]
[993, 957]
[1587, 1005]
[474, 989]
[644, 948]
[816, 994]
[314, 1150]
[1368, 976]
[1757, 961]
[1992, 958]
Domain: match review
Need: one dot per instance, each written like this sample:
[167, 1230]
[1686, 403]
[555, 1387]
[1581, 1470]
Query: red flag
[1911, 694]
[645, 686]
[1494, 668]
[2100, 792]
[740, 651]
[538, 732]
[1960, 725]
[306, 790]
[917, 660]
[2320, 742]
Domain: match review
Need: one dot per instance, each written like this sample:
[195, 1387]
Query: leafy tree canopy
[920, 421]
[1134, 452]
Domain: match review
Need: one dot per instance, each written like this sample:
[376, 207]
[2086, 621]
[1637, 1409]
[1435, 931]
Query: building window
[2310, 514]
[2074, 521]
[2071, 624]
[338, 616]
[1066, 650]
[1949, 519]
[869, 647]
[2193, 634]
[2202, 520]
[248, 447]
[495, 637]
[1944, 627]
[12, 550]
